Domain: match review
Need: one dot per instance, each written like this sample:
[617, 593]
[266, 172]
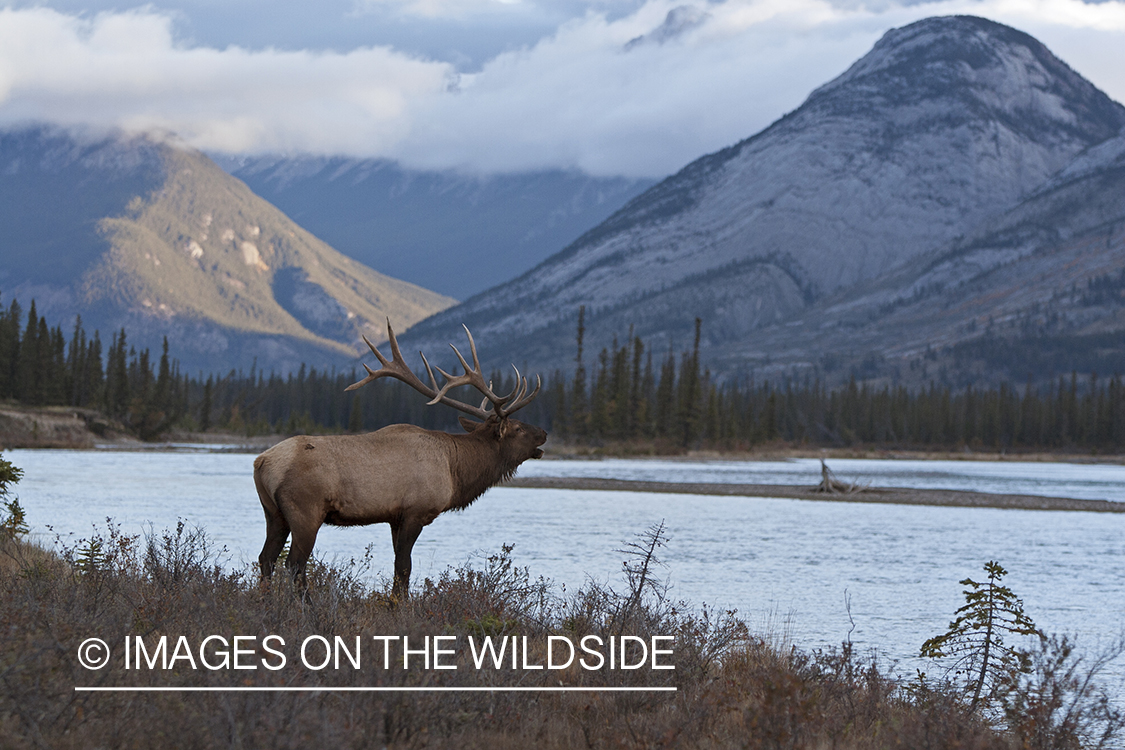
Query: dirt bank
[57, 427]
[76, 428]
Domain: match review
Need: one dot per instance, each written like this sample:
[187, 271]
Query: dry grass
[734, 689]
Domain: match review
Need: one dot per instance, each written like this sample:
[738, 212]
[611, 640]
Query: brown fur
[401, 475]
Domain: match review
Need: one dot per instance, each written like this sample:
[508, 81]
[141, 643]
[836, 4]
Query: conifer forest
[625, 395]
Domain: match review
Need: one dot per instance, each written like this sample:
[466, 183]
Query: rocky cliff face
[944, 125]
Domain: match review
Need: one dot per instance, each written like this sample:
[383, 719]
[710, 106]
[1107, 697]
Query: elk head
[518, 441]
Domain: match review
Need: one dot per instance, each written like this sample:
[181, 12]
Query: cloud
[649, 92]
[443, 8]
[639, 93]
[629, 96]
[506, 11]
[126, 70]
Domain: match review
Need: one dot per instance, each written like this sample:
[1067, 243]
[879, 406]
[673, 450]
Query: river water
[787, 566]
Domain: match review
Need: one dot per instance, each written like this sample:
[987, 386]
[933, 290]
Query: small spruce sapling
[975, 640]
[14, 522]
[639, 569]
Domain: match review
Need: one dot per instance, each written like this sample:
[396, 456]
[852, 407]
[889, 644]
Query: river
[787, 566]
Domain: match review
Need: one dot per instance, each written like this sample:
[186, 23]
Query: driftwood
[830, 484]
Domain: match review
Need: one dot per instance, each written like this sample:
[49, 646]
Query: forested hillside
[43, 366]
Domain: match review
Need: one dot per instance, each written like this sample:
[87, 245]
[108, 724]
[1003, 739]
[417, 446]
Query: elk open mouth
[538, 453]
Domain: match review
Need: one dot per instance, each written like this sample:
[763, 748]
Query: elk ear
[468, 424]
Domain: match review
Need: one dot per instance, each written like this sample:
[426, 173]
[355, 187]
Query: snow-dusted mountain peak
[988, 68]
[946, 123]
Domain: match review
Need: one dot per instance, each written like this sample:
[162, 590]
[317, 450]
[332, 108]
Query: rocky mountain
[157, 238]
[914, 157]
[1037, 292]
[454, 233]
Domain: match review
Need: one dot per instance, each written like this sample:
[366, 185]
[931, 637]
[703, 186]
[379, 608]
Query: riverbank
[58, 427]
[87, 429]
[72, 428]
[780, 451]
[221, 658]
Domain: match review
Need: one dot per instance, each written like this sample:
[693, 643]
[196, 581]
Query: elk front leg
[304, 538]
[403, 535]
[277, 531]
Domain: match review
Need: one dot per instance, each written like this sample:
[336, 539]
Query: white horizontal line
[435, 689]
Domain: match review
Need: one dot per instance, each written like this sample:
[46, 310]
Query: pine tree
[635, 412]
[162, 396]
[578, 408]
[205, 405]
[646, 399]
[14, 521]
[92, 374]
[53, 366]
[9, 349]
[560, 407]
[27, 378]
[355, 416]
[599, 398]
[975, 642]
[76, 364]
[688, 397]
[665, 392]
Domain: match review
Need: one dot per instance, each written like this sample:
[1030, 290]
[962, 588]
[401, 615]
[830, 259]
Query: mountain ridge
[415, 224]
[192, 253]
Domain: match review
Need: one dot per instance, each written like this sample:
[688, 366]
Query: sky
[634, 88]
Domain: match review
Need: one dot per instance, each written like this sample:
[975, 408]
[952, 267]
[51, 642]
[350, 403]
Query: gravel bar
[893, 495]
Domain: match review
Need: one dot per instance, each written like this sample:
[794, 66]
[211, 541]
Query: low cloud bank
[638, 95]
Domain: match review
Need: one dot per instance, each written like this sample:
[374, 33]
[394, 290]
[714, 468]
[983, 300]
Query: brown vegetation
[731, 688]
[734, 689]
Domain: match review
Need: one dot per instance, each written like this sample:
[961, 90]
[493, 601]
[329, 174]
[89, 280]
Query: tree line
[627, 394]
[41, 366]
[675, 401]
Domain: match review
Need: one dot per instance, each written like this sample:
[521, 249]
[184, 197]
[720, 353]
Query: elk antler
[396, 368]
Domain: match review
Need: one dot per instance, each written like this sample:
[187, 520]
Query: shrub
[14, 521]
[1059, 704]
[733, 688]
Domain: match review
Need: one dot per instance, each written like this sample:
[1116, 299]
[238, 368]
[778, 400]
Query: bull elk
[401, 475]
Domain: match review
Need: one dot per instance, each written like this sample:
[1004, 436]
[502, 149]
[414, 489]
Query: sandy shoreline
[891, 495]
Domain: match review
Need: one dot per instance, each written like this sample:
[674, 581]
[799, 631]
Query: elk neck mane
[477, 465]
